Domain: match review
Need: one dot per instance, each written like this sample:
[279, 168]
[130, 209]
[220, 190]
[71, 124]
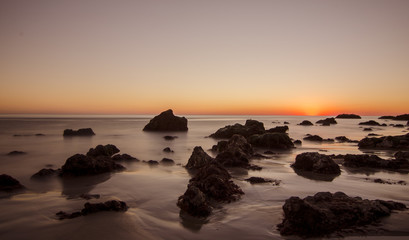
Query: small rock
[198, 159]
[169, 138]
[9, 184]
[167, 149]
[256, 180]
[370, 123]
[327, 121]
[80, 132]
[89, 208]
[124, 158]
[152, 162]
[317, 163]
[45, 173]
[367, 129]
[15, 153]
[167, 161]
[306, 123]
[348, 116]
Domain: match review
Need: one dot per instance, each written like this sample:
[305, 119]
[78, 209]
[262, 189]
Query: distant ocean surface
[152, 191]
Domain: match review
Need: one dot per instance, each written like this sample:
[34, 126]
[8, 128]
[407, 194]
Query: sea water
[151, 192]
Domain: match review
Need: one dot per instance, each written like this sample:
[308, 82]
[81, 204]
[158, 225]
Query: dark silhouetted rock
[327, 121]
[387, 117]
[386, 142]
[250, 128]
[370, 123]
[39, 135]
[278, 129]
[373, 135]
[348, 116]
[236, 152]
[257, 180]
[211, 183]
[403, 117]
[45, 173]
[398, 125]
[124, 158]
[390, 182]
[316, 138]
[170, 138]
[100, 150]
[79, 132]
[152, 162]
[325, 213]
[89, 208]
[297, 142]
[306, 123]
[401, 155]
[80, 164]
[272, 141]
[343, 139]
[9, 184]
[166, 121]
[317, 163]
[167, 149]
[198, 159]
[373, 161]
[167, 161]
[286, 123]
[368, 129]
[15, 153]
[407, 124]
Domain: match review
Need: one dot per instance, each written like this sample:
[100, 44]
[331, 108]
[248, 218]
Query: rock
[79, 165]
[80, 132]
[398, 125]
[317, 163]
[386, 142]
[407, 124]
[343, 139]
[15, 153]
[370, 123]
[387, 117]
[198, 159]
[325, 213]
[306, 123]
[269, 152]
[271, 141]
[349, 116]
[373, 135]
[401, 155]
[316, 138]
[89, 208]
[297, 142]
[327, 121]
[236, 152]
[9, 184]
[367, 129]
[170, 138]
[167, 161]
[250, 128]
[286, 123]
[45, 173]
[87, 196]
[211, 183]
[100, 150]
[278, 129]
[152, 162]
[124, 158]
[390, 182]
[168, 150]
[257, 180]
[373, 161]
[39, 135]
[403, 117]
[166, 121]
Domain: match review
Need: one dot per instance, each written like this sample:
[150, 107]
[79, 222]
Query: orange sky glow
[204, 57]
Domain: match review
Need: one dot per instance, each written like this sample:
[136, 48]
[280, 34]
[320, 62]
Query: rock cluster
[325, 213]
[343, 139]
[234, 153]
[373, 161]
[251, 127]
[79, 132]
[403, 117]
[348, 116]
[167, 121]
[386, 142]
[316, 138]
[327, 121]
[89, 208]
[97, 160]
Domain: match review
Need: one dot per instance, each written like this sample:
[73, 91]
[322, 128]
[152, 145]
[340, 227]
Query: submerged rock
[9, 184]
[271, 141]
[306, 123]
[15, 153]
[168, 150]
[166, 121]
[89, 208]
[386, 142]
[370, 123]
[325, 213]
[317, 163]
[100, 150]
[257, 180]
[343, 139]
[348, 116]
[170, 138]
[167, 161]
[198, 159]
[79, 132]
[45, 173]
[316, 138]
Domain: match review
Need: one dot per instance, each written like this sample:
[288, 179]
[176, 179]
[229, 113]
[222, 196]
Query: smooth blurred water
[152, 192]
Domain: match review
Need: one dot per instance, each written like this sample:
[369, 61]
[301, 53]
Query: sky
[289, 57]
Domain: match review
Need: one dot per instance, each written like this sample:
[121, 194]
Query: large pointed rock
[167, 121]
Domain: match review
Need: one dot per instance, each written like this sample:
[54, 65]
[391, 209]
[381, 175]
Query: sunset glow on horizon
[204, 57]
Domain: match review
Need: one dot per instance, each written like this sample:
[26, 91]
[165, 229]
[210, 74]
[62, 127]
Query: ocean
[151, 192]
